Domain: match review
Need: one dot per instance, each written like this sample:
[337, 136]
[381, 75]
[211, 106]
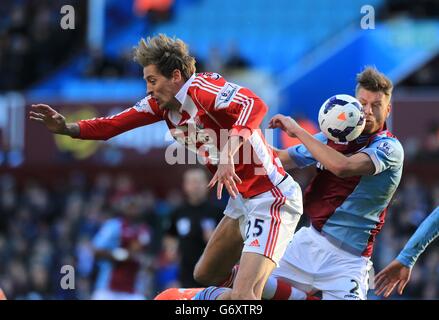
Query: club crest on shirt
[211, 75]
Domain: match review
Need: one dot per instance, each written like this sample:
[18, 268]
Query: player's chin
[164, 105]
[368, 128]
[161, 105]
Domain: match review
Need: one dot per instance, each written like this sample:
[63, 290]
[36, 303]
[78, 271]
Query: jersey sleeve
[300, 154]
[144, 112]
[215, 93]
[252, 111]
[107, 237]
[385, 153]
[424, 235]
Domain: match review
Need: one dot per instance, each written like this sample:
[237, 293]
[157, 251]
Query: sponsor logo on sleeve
[226, 95]
[386, 148]
[143, 106]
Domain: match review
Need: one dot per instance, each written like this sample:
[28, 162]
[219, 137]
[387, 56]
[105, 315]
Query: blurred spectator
[167, 266]
[120, 248]
[432, 141]
[193, 223]
[424, 149]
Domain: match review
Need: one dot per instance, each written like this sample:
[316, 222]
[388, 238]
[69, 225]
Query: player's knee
[202, 276]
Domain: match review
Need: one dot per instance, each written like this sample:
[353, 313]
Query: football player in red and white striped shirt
[220, 121]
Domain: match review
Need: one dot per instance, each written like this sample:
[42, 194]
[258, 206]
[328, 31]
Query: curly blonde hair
[166, 53]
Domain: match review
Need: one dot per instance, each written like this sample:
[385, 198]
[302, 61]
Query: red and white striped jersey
[211, 111]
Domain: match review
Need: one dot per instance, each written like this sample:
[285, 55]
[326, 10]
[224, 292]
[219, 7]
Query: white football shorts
[311, 262]
[268, 221]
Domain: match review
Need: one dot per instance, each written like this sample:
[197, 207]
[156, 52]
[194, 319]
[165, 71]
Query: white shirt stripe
[264, 156]
[204, 88]
[214, 88]
[208, 83]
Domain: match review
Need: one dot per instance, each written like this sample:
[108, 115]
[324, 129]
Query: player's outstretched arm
[399, 270]
[395, 274]
[54, 121]
[331, 159]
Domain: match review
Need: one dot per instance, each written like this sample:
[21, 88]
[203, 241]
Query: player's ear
[177, 76]
[389, 109]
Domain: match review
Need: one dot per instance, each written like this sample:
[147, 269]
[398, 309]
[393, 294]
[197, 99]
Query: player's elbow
[259, 110]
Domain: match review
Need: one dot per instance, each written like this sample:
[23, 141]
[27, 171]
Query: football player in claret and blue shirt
[120, 248]
[346, 201]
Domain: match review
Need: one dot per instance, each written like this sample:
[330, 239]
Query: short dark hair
[167, 54]
[373, 80]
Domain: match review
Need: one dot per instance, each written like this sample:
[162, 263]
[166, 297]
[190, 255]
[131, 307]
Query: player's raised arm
[53, 120]
[143, 113]
[334, 161]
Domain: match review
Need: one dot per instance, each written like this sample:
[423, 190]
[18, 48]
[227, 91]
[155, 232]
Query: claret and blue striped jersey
[351, 211]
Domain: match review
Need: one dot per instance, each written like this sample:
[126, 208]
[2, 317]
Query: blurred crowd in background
[32, 44]
[100, 66]
[43, 227]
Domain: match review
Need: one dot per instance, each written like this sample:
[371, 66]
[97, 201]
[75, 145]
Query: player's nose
[367, 109]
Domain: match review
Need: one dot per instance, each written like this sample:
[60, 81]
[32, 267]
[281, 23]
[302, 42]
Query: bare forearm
[334, 161]
[331, 159]
[287, 162]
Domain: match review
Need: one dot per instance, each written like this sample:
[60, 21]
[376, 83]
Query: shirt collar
[182, 93]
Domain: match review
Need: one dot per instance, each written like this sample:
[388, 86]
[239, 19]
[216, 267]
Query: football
[341, 118]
